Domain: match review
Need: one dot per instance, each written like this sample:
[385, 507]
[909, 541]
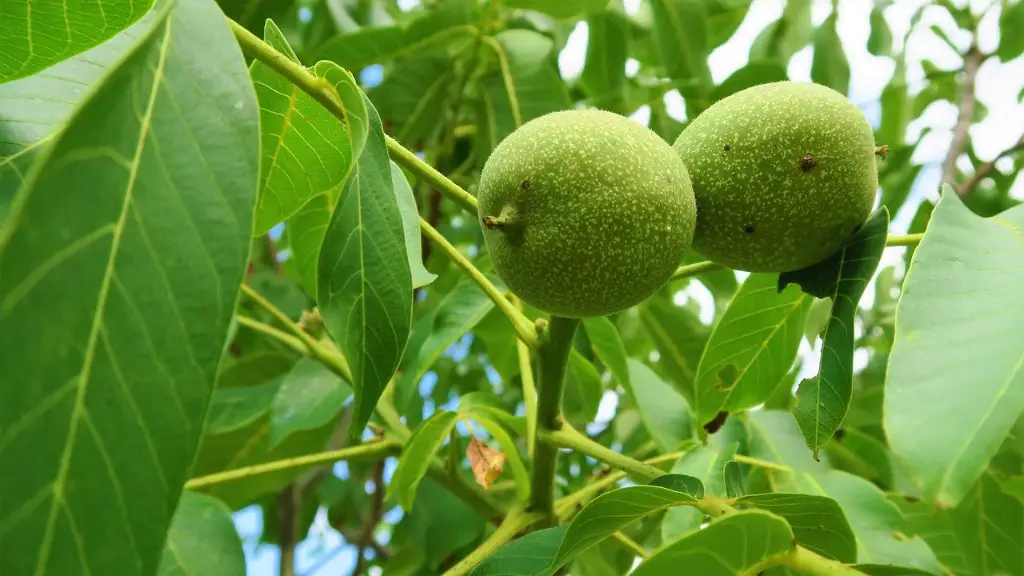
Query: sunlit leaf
[120, 262]
[958, 321]
[733, 480]
[40, 34]
[1011, 22]
[365, 287]
[680, 29]
[880, 39]
[822, 401]
[607, 50]
[730, 545]
[753, 74]
[559, 9]
[783, 38]
[411, 226]
[202, 539]
[417, 454]
[751, 348]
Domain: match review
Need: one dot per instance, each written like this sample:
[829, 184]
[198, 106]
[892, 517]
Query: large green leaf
[412, 98]
[603, 74]
[202, 540]
[880, 39]
[1011, 22]
[306, 150]
[417, 455]
[365, 286]
[681, 33]
[958, 321]
[440, 524]
[582, 390]
[533, 86]
[982, 535]
[140, 206]
[829, 65]
[753, 74]
[310, 397]
[751, 349]
[707, 464]
[822, 401]
[411, 227]
[525, 556]
[818, 522]
[896, 112]
[32, 109]
[679, 337]
[607, 345]
[664, 411]
[737, 543]
[783, 38]
[40, 34]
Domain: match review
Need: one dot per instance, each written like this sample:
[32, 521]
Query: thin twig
[961, 131]
[287, 528]
[630, 544]
[983, 170]
[371, 521]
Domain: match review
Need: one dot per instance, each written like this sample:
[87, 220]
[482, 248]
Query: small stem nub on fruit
[491, 222]
[882, 151]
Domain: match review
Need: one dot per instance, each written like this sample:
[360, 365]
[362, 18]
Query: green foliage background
[149, 342]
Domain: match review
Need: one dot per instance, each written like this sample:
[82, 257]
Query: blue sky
[324, 552]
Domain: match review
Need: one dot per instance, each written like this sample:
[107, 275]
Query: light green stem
[268, 330]
[568, 437]
[377, 450]
[552, 356]
[516, 521]
[630, 544]
[525, 329]
[328, 357]
[323, 92]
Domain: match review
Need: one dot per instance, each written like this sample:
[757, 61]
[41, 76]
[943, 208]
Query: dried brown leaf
[487, 462]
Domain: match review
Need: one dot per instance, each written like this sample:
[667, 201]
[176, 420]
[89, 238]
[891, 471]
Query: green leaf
[733, 480]
[680, 338]
[889, 570]
[680, 30]
[724, 18]
[305, 236]
[583, 389]
[617, 508]
[528, 555]
[536, 87]
[441, 524]
[32, 111]
[237, 434]
[880, 40]
[545, 551]
[822, 401]
[895, 110]
[603, 75]
[253, 368]
[559, 9]
[306, 151]
[751, 349]
[361, 48]
[786, 36]
[460, 310]
[1011, 22]
[664, 411]
[982, 535]
[607, 345]
[818, 522]
[957, 322]
[202, 540]
[122, 366]
[417, 453]
[310, 396]
[707, 464]
[753, 74]
[411, 227]
[38, 34]
[365, 287]
[829, 65]
[734, 544]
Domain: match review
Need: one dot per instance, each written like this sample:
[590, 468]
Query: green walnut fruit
[784, 173]
[585, 212]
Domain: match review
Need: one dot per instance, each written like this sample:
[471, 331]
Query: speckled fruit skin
[783, 174]
[596, 212]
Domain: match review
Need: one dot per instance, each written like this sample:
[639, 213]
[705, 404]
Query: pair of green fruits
[587, 213]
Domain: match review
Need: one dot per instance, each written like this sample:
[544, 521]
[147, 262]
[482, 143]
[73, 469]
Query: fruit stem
[524, 327]
[882, 151]
[552, 358]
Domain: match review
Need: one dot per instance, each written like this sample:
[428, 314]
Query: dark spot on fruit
[727, 148]
[749, 229]
[525, 185]
[716, 423]
[808, 163]
[668, 179]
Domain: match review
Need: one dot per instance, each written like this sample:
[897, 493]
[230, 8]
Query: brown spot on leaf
[716, 423]
[840, 434]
